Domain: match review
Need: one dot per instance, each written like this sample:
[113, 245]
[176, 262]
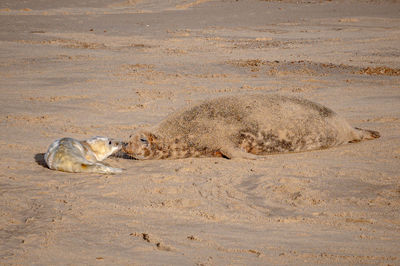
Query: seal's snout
[116, 143]
[124, 145]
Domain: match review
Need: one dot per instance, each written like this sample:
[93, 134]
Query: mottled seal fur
[71, 155]
[245, 126]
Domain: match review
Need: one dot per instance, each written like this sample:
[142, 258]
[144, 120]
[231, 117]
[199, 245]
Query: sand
[87, 68]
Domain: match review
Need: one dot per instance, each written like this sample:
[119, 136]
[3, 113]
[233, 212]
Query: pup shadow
[39, 159]
[123, 155]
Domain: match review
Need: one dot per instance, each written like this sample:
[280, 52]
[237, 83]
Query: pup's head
[140, 145]
[103, 147]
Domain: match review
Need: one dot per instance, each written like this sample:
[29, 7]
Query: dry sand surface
[86, 68]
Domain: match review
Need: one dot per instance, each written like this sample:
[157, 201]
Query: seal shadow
[39, 159]
[123, 155]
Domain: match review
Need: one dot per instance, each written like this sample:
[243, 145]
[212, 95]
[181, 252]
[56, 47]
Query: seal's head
[103, 147]
[141, 145]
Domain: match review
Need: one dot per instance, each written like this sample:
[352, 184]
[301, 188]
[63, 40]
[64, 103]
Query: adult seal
[245, 126]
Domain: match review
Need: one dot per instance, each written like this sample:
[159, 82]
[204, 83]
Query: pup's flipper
[100, 168]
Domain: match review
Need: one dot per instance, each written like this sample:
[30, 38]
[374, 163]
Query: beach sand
[87, 68]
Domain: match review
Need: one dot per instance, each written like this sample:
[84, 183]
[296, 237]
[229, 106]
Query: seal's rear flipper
[100, 168]
[368, 134]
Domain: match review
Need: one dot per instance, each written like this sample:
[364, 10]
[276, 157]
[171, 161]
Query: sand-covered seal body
[71, 155]
[245, 126]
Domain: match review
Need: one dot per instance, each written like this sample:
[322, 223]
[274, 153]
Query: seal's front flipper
[233, 153]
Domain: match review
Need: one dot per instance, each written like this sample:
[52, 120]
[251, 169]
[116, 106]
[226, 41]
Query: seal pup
[71, 155]
[245, 126]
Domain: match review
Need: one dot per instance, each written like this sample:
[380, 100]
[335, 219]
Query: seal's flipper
[368, 134]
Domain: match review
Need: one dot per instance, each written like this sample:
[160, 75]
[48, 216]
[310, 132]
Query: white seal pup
[245, 126]
[71, 155]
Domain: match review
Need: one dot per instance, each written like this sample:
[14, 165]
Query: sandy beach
[86, 68]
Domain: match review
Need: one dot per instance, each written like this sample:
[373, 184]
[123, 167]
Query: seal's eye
[144, 141]
[109, 143]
